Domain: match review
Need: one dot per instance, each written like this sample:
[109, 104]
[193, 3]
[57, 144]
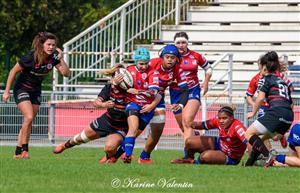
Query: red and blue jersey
[232, 140]
[189, 64]
[147, 83]
[168, 76]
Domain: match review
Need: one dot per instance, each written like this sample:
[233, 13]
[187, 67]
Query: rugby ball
[127, 80]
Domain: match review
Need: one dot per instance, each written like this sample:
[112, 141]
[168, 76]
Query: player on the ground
[226, 149]
[293, 157]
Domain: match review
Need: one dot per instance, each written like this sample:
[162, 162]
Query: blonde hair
[38, 46]
[111, 71]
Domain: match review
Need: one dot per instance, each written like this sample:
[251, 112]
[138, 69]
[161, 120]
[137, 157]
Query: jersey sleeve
[210, 124]
[252, 87]
[105, 92]
[202, 62]
[263, 84]
[27, 61]
[240, 131]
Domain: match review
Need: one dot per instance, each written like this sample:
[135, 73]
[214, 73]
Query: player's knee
[109, 148]
[186, 123]
[28, 119]
[204, 157]
[188, 143]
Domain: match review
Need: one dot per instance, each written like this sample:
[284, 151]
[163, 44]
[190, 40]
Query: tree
[21, 20]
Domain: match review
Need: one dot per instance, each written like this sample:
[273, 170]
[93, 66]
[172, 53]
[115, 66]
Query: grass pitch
[77, 170]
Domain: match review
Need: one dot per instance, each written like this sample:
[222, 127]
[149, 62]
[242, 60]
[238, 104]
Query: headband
[181, 39]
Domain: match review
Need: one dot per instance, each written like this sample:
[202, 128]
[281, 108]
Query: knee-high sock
[129, 145]
[120, 151]
[258, 147]
[145, 155]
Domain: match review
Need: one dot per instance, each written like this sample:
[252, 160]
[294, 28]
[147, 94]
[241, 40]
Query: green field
[77, 170]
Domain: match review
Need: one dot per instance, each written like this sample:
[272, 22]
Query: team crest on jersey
[138, 82]
[171, 75]
[49, 66]
[144, 76]
[185, 62]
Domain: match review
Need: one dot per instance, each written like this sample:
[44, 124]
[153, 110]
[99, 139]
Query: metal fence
[59, 120]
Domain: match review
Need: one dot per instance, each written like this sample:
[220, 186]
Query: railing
[227, 90]
[137, 21]
[59, 120]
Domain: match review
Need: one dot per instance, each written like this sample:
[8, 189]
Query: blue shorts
[162, 103]
[294, 137]
[194, 93]
[262, 110]
[146, 117]
[229, 160]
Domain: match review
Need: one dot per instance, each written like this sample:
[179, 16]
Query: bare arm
[99, 103]
[208, 75]
[62, 67]
[150, 107]
[11, 77]
[250, 100]
[197, 125]
[259, 100]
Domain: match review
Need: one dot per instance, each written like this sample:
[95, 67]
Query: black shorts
[23, 95]
[277, 119]
[102, 127]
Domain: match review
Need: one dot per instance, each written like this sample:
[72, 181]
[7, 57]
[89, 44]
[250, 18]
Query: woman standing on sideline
[33, 68]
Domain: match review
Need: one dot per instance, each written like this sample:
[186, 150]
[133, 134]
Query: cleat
[183, 161]
[127, 159]
[283, 142]
[103, 160]
[145, 161]
[59, 149]
[124, 155]
[270, 161]
[25, 155]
